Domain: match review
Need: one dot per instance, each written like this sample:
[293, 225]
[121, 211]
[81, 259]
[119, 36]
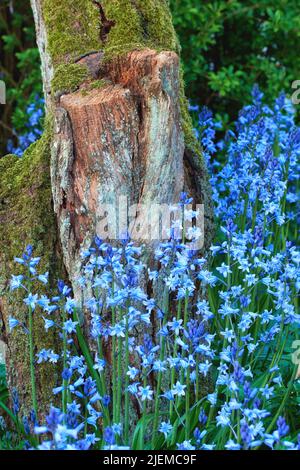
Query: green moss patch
[26, 213]
[139, 24]
[98, 84]
[68, 77]
[26, 216]
[73, 28]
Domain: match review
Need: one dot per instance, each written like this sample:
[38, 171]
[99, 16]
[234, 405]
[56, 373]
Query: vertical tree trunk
[115, 96]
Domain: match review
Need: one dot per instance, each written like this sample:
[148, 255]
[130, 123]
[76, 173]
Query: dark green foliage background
[19, 67]
[227, 46]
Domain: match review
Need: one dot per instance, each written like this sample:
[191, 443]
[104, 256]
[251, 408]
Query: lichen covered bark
[26, 216]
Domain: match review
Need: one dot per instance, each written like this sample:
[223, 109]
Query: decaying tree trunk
[119, 126]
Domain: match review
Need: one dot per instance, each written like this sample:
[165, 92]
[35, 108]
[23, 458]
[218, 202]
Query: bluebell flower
[13, 323]
[179, 389]
[185, 445]
[70, 305]
[15, 400]
[198, 435]
[175, 325]
[44, 278]
[118, 330]
[70, 326]
[202, 418]
[109, 436]
[106, 400]
[48, 323]
[31, 300]
[231, 445]
[16, 282]
[282, 427]
[165, 428]
[132, 372]
[145, 393]
[169, 395]
[117, 428]
[35, 113]
[207, 277]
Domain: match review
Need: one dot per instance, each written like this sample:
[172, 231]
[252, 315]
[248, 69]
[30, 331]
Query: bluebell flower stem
[85, 420]
[187, 405]
[114, 371]
[126, 419]
[31, 359]
[157, 395]
[114, 362]
[102, 377]
[120, 381]
[173, 372]
[185, 321]
[99, 344]
[144, 411]
[65, 383]
[159, 378]
[197, 387]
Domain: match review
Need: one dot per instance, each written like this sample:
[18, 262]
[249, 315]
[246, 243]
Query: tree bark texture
[118, 126]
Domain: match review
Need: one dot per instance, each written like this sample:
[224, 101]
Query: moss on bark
[139, 24]
[73, 28]
[25, 196]
[68, 77]
[26, 216]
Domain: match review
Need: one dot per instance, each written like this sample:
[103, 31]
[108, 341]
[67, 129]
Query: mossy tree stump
[120, 127]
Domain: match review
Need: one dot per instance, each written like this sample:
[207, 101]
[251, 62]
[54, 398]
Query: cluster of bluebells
[175, 358]
[35, 112]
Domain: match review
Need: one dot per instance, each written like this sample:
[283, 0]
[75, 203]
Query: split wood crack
[106, 24]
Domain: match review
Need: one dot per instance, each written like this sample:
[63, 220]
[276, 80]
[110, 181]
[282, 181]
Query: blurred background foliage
[19, 68]
[227, 46]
